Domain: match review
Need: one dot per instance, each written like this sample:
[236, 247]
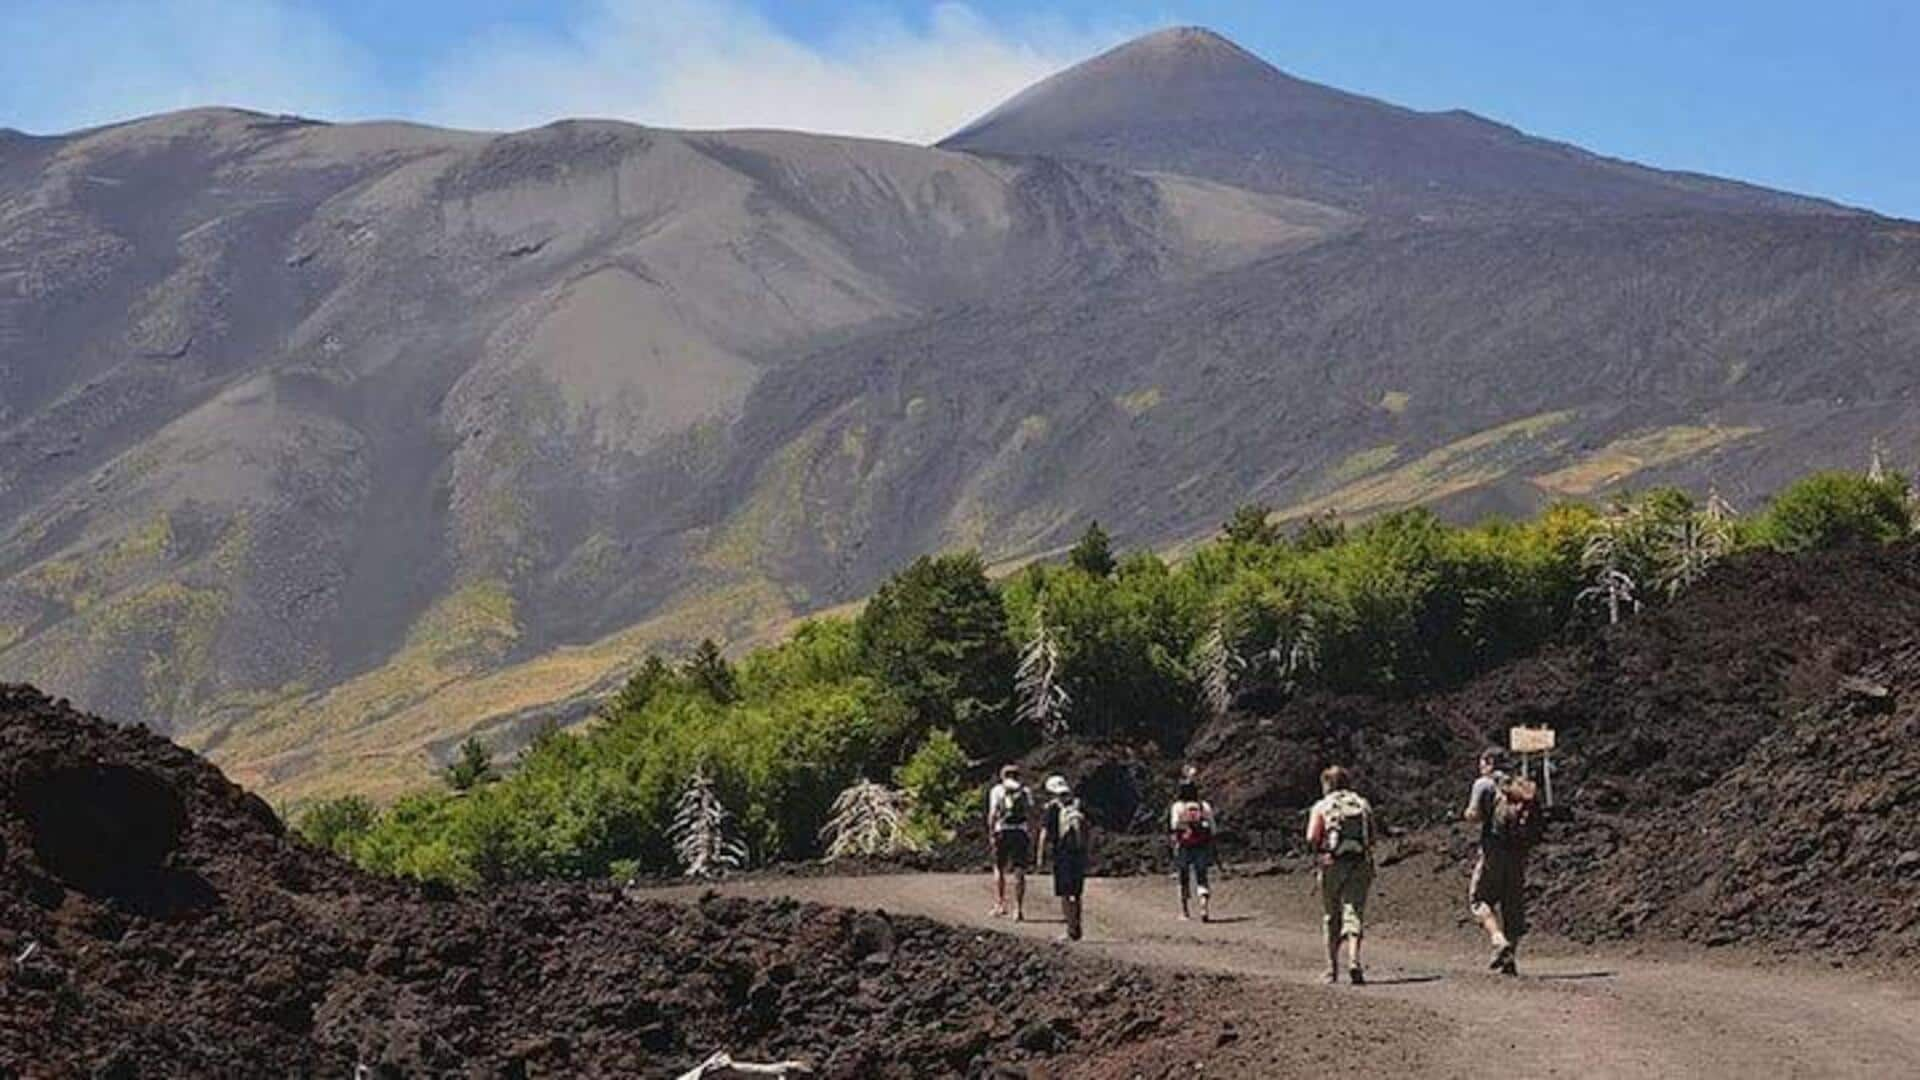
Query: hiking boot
[1510, 968]
[1502, 958]
[1356, 976]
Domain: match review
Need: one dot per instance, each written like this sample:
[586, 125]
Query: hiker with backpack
[1190, 823]
[1511, 822]
[1010, 839]
[1340, 832]
[1065, 834]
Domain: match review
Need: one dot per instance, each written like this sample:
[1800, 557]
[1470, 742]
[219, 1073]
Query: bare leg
[1185, 885]
[999, 892]
[1333, 953]
[1019, 894]
[1490, 922]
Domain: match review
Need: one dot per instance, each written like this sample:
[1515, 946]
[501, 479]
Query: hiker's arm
[1316, 829]
[1473, 803]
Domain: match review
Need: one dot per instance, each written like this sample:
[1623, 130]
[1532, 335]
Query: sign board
[1530, 740]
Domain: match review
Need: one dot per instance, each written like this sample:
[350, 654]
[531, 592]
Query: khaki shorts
[1500, 884]
[1344, 884]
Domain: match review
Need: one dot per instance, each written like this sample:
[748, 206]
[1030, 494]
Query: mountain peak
[1187, 100]
[1183, 44]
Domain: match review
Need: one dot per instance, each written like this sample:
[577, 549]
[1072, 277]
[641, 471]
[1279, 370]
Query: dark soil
[155, 920]
[1811, 844]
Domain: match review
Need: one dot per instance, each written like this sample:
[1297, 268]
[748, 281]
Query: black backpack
[1013, 812]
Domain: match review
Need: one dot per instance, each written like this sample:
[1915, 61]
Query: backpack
[1073, 827]
[1346, 816]
[1196, 830]
[1517, 820]
[1013, 811]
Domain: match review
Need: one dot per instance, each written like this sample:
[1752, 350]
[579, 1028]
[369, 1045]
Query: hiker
[1511, 822]
[1340, 832]
[1064, 832]
[1190, 823]
[1010, 839]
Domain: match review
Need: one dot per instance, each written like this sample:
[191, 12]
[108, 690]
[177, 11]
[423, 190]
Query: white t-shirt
[1178, 812]
[998, 798]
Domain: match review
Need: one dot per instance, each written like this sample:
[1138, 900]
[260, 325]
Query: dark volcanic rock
[353, 973]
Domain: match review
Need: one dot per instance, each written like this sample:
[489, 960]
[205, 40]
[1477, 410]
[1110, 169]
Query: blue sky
[1815, 98]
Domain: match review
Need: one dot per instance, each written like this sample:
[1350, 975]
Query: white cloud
[669, 63]
[717, 63]
[77, 63]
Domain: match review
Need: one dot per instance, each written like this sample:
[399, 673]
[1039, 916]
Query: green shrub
[936, 778]
[1836, 507]
[336, 824]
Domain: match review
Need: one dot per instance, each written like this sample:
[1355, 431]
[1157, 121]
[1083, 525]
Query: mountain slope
[322, 446]
[286, 401]
[1189, 101]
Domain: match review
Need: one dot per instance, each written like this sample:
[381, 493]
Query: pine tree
[708, 671]
[472, 766]
[1043, 701]
[702, 831]
[1094, 553]
[1251, 524]
[868, 819]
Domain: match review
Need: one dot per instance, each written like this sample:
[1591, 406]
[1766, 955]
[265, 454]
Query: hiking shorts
[1193, 863]
[1344, 884]
[1012, 849]
[1069, 871]
[1500, 884]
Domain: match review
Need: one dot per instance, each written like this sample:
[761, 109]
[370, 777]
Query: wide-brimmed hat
[1057, 785]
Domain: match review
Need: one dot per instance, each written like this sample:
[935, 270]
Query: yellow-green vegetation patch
[371, 736]
[1139, 401]
[176, 624]
[80, 580]
[1479, 458]
[1622, 458]
[1362, 463]
[773, 513]
[1395, 401]
[1032, 429]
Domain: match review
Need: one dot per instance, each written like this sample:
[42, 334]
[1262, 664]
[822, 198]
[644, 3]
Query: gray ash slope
[318, 443]
[1188, 101]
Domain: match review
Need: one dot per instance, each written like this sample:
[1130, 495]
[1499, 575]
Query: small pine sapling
[869, 819]
[702, 831]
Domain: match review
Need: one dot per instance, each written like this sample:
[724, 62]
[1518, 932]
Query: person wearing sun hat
[1065, 833]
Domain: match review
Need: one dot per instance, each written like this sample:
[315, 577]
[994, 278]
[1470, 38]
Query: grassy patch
[1622, 458]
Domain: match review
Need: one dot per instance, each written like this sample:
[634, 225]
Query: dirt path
[1574, 1012]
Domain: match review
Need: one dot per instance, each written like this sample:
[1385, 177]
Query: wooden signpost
[1529, 743]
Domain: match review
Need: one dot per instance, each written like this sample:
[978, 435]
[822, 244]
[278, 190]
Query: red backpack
[1196, 826]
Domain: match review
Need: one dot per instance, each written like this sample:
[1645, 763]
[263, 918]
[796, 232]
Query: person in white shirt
[1190, 823]
[1010, 840]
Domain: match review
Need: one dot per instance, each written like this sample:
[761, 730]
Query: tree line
[866, 734]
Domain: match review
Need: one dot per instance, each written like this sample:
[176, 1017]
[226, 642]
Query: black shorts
[1069, 872]
[1012, 849]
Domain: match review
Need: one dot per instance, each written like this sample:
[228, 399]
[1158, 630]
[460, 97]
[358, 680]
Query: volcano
[324, 446]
